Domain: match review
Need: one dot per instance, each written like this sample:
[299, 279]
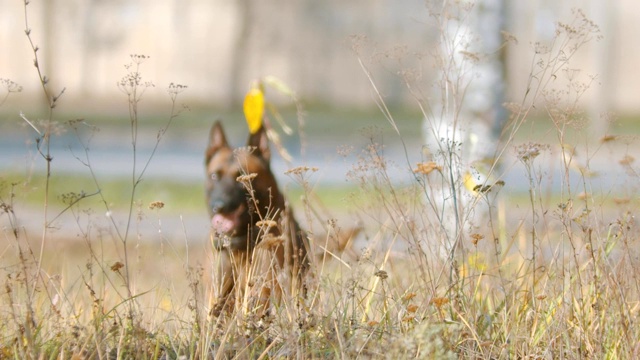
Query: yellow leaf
[165, 304]
[469, 182]
[254, 108]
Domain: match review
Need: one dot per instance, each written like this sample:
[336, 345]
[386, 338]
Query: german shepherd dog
[257, 238]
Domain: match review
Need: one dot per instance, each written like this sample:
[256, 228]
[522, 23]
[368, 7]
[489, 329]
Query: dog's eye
[216, 175]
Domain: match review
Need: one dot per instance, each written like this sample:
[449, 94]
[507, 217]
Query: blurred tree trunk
[240, 51]
[467, 116]
[88, 44]
[605, 14]
[49, 11]
[485, 95]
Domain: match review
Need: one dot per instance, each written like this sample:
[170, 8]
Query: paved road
[180, 157]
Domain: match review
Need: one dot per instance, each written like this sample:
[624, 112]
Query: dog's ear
[217, 140]
[260, 142]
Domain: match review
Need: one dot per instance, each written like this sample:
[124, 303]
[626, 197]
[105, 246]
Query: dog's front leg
[224, 281]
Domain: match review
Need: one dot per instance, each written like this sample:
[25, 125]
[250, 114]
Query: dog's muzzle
[229, 230]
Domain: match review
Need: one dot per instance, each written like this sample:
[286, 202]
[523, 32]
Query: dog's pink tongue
[221, 224]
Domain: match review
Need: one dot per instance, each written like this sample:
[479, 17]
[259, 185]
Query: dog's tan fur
[257, 238]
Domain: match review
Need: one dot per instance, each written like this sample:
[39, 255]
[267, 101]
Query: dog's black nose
[216, 206]
[222, 206]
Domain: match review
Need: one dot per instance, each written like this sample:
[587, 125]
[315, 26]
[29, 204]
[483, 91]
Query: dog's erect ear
[217, 140]
[260, 141]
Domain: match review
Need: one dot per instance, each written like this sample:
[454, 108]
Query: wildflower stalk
[43, 141]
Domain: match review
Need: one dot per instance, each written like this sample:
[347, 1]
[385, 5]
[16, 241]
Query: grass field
[550, 274]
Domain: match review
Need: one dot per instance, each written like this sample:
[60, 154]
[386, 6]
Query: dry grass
[395, 299]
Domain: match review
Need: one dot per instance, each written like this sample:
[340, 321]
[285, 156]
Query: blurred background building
[217, 46]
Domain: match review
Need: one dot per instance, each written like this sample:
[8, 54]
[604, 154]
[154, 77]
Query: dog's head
[237, 198]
